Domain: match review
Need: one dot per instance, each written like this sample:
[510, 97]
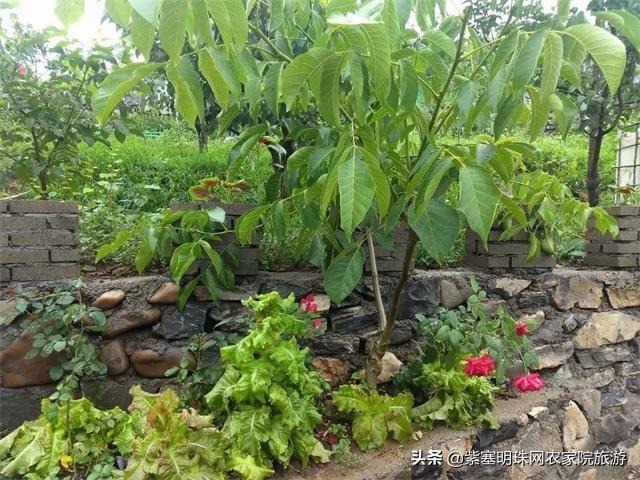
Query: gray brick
[13, 222]
[619, 247]
[471, 245]
[623, 236]
[594, 247]
[44, 238]
[4, 239]
[45, 272]
[624, 210]
[494, 236]
[23, 255]
[67, 222]
[611, 260]
[65, 255]
[504, 248]
[4, 206]
[42, 206]
[628, 222]
[543, 261]
[5, 274]
[486, 261]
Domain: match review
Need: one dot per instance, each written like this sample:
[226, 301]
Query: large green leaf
[606, 49]
[69, 11]
[551, 64]
[188, 99]
[437, 228]
[147, 9]
[625, 22]
[231, 19]
[117, 85]
[443, 41]
[142, 34]
[214, 77]
[381, 182]
[326, 87]
[173, 26]
[357, 190]
[303, 68]
[183, 257]
[528, 59]
[379, 60]
[479, 198]
[343, 275]
[243, 147]
[119, 11]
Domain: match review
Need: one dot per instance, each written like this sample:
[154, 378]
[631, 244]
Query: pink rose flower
[528, 383]
[479, 366]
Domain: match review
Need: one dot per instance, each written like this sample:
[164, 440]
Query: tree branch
[277, 52]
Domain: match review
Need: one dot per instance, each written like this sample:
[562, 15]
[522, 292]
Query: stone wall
[38, 241]
[502, 255]
[622, 251]
[588, 342]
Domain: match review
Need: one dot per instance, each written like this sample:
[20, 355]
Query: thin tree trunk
[203, 136]
[374, 362]
[375, 279]
[593, 174]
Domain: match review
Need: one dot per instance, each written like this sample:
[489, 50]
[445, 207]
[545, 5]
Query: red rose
[317, 323]
[522, 329]
[528, 383]
[22, 70]
[308, 303]
[479, 366]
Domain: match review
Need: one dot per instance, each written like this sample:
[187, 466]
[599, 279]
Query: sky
[40, 14]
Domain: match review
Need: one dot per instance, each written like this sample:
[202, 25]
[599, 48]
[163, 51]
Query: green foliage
[375, 415]
[60, 322]
[268, 395]
[199, 379]
[66, 439]
[174, 443]
[184, 238]
[455, 399]
[46, 87]
[468, 331]
[545, 209]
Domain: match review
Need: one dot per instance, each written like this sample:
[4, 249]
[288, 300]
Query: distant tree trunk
[203, 136]
[593, 175]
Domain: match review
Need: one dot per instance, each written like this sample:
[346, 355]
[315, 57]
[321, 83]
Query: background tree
[369, 156]
[601, 111]
[46, 84]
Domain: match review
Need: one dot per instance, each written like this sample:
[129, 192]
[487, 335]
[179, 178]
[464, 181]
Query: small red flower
[317, 323]
[479, 366]
[22, 70]
[265, 140]
[308, 303]
[331, 439]
[528, 383]
[522, 329]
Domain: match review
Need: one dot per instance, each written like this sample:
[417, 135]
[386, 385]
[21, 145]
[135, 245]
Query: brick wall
[622, 251]
[38, 241]
[502, 254]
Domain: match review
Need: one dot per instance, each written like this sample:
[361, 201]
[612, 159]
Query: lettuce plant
[456, 400]
[175, 444]
[67, 437]
[268, 394]
[375, 415]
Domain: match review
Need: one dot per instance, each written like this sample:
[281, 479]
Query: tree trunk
[374, 362]
[203, 136]
[593, 175]
[42, 177]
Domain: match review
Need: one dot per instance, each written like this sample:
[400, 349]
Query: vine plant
[378, 94]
